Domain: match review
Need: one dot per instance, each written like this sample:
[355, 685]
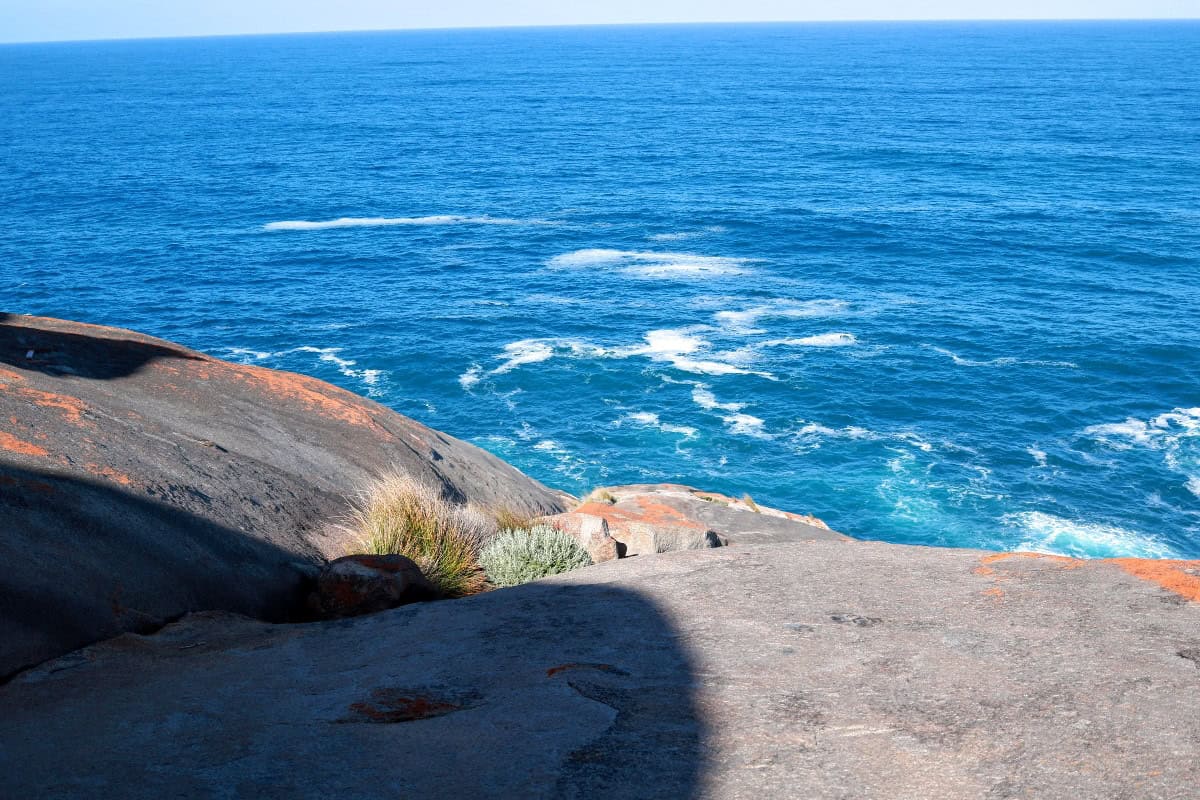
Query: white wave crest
[677, 236]
[245, 355]
[471, 376]
[344, 365]
[1039, 456]
[675, 347]
[1046, 533]
[1005, 361]
[1176, 434]
[820, 340]
[648, 419]
[746, 425]
[744, 321]
[736, 421]
[646, 264]
[679, 347]
[526, 351]
[379, 222]
[704, 398]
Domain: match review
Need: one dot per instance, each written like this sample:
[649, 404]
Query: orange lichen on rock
[326, 400]
[10, 376]
[649, 512]
[391, 705]
[110, 473]
[71, 407]
[995, 593]
[1064, 562]
[1180, 577]
[14, 445]
[550, 673]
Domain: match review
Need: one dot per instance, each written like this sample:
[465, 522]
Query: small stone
[596, 539]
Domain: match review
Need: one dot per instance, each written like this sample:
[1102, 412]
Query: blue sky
[45, 20]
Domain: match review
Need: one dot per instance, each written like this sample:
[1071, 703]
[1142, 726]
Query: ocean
[935, 283]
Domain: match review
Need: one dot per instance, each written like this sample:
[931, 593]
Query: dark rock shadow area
[545, 690]
[90, 355]
[82, 560]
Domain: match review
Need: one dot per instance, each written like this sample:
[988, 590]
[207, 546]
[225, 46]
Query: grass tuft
[400, 515]
[748, 500]
[508, 520]
[526, 554]
[599, 496]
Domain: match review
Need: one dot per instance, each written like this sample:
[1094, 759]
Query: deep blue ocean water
[935, 283]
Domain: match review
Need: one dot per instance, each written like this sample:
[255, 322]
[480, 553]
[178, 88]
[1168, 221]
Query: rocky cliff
[140, 480]
[760, 655]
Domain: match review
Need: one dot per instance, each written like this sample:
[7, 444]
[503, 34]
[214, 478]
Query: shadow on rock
[85, 560]
[568, 690]
[72, 351]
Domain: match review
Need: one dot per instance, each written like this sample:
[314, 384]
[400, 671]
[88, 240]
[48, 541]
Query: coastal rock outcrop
[140, 480]
[664, 517]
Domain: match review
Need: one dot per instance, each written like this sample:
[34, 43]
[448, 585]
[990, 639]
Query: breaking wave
[679, 347]
[1046, 533]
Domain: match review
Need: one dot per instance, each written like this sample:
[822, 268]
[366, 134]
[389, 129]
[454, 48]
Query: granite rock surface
[819, 669]
[140, 480]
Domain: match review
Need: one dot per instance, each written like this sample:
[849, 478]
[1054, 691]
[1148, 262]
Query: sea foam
[1047, 533]
[679, 347]
[746, 320]
[647, 264]
[1176, 434]
[1004, 361]
[648, 419]
[704, 398]
[820, 340]
[372, 379]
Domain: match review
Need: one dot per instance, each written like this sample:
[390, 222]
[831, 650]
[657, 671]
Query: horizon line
[552, 26]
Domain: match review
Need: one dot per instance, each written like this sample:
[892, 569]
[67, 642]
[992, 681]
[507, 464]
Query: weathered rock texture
[140, 480]
[664, 517]
[818, 669]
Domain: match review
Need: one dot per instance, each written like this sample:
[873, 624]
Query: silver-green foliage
[526, 554]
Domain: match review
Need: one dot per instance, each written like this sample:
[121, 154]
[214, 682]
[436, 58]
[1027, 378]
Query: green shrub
[526, 554]
[401, 515]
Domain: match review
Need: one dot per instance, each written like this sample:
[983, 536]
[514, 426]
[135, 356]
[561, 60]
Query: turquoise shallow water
[934, 283]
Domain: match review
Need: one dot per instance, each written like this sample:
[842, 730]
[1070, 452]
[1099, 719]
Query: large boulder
[140, 480]
[814, 669]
